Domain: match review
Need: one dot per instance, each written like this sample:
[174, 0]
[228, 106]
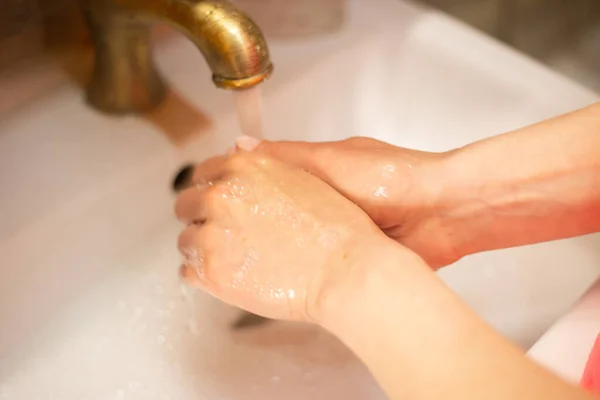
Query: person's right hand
[398, 188]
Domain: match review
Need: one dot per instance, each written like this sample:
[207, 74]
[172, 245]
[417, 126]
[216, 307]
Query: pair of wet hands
[272, 226]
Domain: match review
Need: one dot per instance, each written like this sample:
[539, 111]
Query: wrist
[481, 199]
[513, 190]
[435, 222]
[380, 261]
[458, 201]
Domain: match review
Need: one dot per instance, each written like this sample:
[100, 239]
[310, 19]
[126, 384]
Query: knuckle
[359, 141]
[202, 256]
[199, 246]
[182, 202]
[241, 162]
[179, 208]
[325, 154]
[208, 241]
[203, 172]
[263, 160]
[259, 158]
[214, 196]
[238, 161]
[206, 236]
[186, 239]
[191, 276]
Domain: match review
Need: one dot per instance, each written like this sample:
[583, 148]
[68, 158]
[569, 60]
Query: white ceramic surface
[90, 303]
[566, 346]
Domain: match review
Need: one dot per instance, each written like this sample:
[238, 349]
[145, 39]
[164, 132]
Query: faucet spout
[125, 79]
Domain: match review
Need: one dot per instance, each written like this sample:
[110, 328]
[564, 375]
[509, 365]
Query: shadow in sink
[522, 291]
[301, 343]
[179, 120]
[279, 360]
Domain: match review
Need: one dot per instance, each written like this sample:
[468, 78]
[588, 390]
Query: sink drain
[183, 178]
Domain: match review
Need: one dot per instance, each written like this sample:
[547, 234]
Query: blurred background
[564, 34]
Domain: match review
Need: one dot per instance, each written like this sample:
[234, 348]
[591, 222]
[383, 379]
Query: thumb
[299, 154]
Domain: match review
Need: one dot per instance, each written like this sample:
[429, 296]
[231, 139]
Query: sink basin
[90, 302]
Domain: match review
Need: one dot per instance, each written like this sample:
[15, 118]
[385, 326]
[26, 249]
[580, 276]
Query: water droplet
[380, 191]
[278, 293]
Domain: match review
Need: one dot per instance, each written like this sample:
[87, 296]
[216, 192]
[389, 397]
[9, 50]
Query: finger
[306, 154]
[193, 248]
[364, 143]
[190, 206]
[210, 170]
[188, 245]
[199, 245]
[315, 158]
[299, 154]
[192, 270]
[192, 276]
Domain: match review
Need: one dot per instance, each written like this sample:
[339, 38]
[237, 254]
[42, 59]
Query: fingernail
[247, 143]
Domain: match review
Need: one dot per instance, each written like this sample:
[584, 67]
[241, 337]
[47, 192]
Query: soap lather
[183, 180]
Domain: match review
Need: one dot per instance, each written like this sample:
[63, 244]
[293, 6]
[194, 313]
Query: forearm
[536, 184]
[421, 342]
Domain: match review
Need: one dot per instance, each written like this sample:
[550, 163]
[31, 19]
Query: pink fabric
[591, 375]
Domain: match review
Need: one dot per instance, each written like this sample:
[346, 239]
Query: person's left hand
[271, 238]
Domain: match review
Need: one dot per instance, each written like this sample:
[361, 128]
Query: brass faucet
[125, 79]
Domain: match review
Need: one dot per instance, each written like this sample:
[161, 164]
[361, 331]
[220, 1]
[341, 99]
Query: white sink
[90, 303]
